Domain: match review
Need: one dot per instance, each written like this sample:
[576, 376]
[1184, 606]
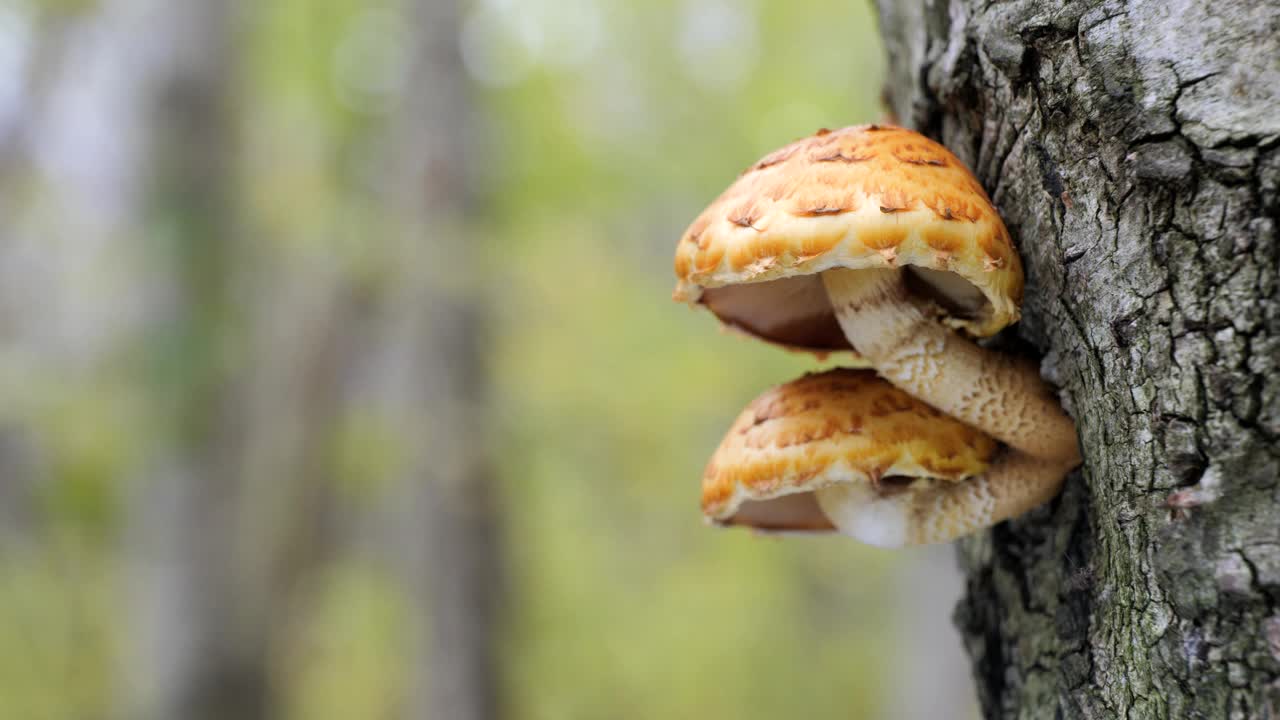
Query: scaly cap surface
[837, 426]
[861, 197]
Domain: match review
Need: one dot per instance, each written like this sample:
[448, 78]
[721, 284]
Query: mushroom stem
[1000, 395]
[943, 510]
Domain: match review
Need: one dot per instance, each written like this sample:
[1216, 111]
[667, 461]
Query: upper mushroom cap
[841, 425]
[869, 196]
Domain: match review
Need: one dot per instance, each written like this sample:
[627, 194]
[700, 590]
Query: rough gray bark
[1134, 150]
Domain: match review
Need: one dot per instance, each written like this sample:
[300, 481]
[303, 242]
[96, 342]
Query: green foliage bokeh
[603, 127]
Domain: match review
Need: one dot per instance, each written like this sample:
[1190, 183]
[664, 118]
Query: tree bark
[1133, 148]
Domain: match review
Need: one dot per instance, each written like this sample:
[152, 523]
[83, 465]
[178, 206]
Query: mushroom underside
[797, 311]
[797, 512]
[804, 513]
[800, 512]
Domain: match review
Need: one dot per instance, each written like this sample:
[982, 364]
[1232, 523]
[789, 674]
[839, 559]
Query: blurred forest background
[340, 379]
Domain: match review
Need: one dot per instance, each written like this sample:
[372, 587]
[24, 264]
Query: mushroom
[878, 239]
[845, 450]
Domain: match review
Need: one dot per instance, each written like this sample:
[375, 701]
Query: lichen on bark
[1133, 148]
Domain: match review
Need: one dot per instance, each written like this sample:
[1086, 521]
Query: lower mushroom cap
[839, 426]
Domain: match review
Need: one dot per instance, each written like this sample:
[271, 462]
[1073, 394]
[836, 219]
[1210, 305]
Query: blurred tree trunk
[437, 310]
[198, 660]
[1134, 150]
[249, 359]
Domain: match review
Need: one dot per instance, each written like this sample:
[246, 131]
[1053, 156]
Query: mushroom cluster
[878, 241]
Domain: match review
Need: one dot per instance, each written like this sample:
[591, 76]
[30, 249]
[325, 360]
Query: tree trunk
[233, 515]
[437, 319]
[198, 658]
[1134, 151]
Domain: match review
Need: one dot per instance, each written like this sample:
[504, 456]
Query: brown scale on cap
[860, 197]
[788, 435]
[844, 450]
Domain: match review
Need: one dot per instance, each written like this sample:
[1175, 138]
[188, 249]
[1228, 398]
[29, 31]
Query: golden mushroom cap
[838, 426]
[869, 196]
